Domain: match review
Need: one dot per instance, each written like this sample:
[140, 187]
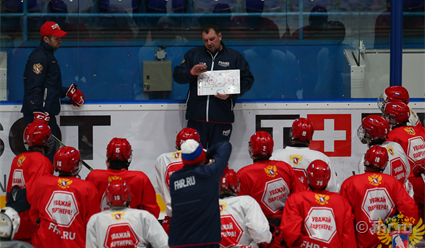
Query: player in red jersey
[317, 217]
[119, 156]
[64, 204]
[26, 169]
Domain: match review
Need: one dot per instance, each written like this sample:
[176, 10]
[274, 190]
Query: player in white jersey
[374, 131]
[243, 223]
[398, 94]
[299, 155]
[121, 226]
[166, 164]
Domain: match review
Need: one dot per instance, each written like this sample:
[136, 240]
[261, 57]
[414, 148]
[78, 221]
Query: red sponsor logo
[231, 232]
[332, 134]
[120, 235]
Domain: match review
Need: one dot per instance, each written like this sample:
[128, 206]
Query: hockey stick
[62, 144]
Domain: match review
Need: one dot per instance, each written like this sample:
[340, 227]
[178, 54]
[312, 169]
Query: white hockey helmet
[9, 223]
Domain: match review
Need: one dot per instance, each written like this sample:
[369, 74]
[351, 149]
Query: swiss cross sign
[231, 232]
[320, 224]
[332, 134]
[62, 208]
[120, 235]
[377, 203]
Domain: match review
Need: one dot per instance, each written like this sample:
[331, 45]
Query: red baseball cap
[51, 28]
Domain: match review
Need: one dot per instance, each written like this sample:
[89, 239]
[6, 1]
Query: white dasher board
[222, 81]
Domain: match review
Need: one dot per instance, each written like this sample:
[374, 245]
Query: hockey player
[418, 182]
[64, 204]
[374, 131]
[398, 94]
[299, 155]
[411, 138]
[26, 169]
[243, 223]
[167, 163]
[119, 154]
[194, 195]
[317, 217]
[374, 195]
[121, 226]
[9, 225]
[269, 182]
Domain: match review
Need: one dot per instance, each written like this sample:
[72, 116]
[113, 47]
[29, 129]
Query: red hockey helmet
[397, 112]
[67, 159]
[118, 194]
[373, 127]
[376, 157]
[261, 144]
[230, 182]
[119, 149]
[318, 174]
[37, 134]
[393, 94]
[185, 134]
[302, 129]
[419, 168]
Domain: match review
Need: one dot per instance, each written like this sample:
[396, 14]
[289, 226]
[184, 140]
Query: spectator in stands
[25, 171]
[64, 204]
[118, 159]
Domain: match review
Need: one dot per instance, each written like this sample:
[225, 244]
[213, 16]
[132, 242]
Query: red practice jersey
[318, 219]
[375, 196]
[25, 171]
[269, 182]
[64, 206]
[143, 194]
[419, 196]
[412, 140]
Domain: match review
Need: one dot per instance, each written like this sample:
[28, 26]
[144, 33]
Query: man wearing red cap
[43, 83]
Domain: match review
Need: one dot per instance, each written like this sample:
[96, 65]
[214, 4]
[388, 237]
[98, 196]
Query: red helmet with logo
[318, 174]
[261, 144]
[117, 194]
[302, 129]
[67, 159]
[119, 149]
[376, 157]
[373, 127]
[37, 134]
[230, 182]
[393, 94]
[185, 134]
[397, 112]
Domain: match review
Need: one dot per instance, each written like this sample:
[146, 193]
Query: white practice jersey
[243, 223]
[398, 165]
[165, 165]
[125, 227]
[300, 158]
[413, 119]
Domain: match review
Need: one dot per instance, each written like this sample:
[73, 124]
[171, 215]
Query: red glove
[42, 118]
[166, 224]
[75, 95]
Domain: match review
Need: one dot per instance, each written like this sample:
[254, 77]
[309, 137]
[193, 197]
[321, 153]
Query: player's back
[64, 206]
[142, 192]
[299, 158]
[269, 182]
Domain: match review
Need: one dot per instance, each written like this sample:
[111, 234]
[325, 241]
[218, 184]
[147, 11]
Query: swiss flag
[332, 134]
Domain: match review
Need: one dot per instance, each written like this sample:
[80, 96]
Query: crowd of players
[286, 198]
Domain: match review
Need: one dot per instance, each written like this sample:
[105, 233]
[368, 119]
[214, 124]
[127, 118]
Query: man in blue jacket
[195, 196]
[211, 116]
[43, 81]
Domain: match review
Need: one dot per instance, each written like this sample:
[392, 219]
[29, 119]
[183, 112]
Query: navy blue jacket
[210, 108]
[194, 200]
[42, 82]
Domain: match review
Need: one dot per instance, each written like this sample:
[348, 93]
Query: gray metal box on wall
[157, 76]
[3, 76]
